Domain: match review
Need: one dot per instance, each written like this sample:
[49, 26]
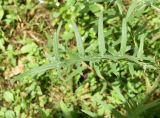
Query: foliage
[73, 59]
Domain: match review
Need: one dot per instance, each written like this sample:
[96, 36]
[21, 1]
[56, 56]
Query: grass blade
[101, 41]
[124, 37]
[78, 39]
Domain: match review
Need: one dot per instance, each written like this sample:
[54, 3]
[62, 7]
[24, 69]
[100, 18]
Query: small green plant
[80, 59]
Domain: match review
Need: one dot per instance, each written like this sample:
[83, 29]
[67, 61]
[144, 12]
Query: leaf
[135, 49]
[78, 39]
[70, 2]
[2, 47]
[120, 6]
[56, 42]
[67, 35]
[49, 38]
[124, 37]
[103, 107]
[119, 94]
[91, 114]
[114, 68]
[101, 40]
[148, 85]
[17, 110]
[1, 12]
[91, 47]
[75, 72]
[131, 69]
[29, 48]
[10, 18]
[117, 114]
[37, 70]
[140, 51]
[95, 7]
[42, 113]
[98, 72]
[152, 104]
[9, 114]
[137, 110]
[65, 110]
[131, 9]
[155, 8]
[131, 87]
[8, 96]
[69, 62]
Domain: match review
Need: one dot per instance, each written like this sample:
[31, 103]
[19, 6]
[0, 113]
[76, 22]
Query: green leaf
[67, 35]
[124, 37]
[75, 72]
[114, 68]
[29, 48]
[56, 42]
[119, 94]
[140, 51]
[96, 7]
[136, 110]
[1, 12]
[120, 6]
[37, 70]
[70, 2]
[103, 107]
[117, 114]
[65, 110]
[17, 110]
[93, 1]
[101, 40]
[91, 114]
[8, 96]
[43, 113]
[152, 104]
[131, 9]
[98, 72]
[131, 87]
[78, 39]
[9, 114]
[2, 47]
[131, 69]
[10, 18]
[49, 38]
